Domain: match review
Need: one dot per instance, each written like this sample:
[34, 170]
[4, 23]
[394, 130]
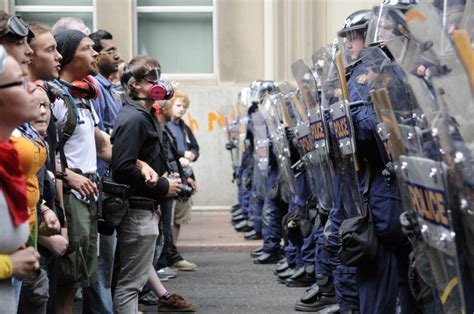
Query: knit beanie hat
[67, 42]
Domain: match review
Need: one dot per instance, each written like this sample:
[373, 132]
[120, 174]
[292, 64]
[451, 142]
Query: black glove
[290, 133]
[389, 173]
[229, 146]
[410, 226]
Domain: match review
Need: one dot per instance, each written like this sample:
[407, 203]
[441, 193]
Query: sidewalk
[212, 231]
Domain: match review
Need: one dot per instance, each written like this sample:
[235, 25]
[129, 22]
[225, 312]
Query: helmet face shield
[387, 23]
[451, 12]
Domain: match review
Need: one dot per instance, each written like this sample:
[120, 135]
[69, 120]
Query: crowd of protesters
[94, 167]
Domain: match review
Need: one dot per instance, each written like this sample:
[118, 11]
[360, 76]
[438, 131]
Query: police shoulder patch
[362, 79]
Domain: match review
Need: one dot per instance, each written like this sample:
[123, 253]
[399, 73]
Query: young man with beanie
[81, 142]
[98, 298]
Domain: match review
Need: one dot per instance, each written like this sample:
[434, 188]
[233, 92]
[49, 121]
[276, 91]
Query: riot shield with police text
[437, 164]
[312, 136]
[341, 131]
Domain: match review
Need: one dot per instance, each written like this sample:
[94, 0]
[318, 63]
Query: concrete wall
[117, 17]
[213, 169]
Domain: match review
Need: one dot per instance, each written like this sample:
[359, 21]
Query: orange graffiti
[221, 120]
[193, 124]
[215, 117]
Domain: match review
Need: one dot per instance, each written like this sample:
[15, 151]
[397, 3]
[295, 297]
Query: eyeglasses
[17, 27]
[23, 81]
[46, 105]
[111, 52]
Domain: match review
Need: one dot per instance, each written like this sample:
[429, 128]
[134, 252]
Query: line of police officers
[366, 168]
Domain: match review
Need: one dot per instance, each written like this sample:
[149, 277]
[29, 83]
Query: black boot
[244, 226]
[281, 267]
[253, 235]
[257, 252]
[268, 258]
[303, 277]
[285, 275]
[319, 296]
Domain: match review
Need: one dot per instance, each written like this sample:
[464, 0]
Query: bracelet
[60, 175]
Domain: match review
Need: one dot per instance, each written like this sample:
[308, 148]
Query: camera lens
[186, 190]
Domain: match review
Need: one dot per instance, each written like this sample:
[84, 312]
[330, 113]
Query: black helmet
[357, 21]
[261, 89]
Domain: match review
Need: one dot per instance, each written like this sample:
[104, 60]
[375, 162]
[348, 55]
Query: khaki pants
[136, 243]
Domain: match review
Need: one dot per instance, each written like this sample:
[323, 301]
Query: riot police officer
[382, 198]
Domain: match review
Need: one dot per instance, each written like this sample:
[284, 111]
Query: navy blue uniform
[273, 210]
[379, 283]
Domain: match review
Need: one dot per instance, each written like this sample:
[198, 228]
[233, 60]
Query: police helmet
[357, 21]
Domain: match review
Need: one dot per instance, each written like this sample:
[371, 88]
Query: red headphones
[83, 89]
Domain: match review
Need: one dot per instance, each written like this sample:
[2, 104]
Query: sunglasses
[16, 27]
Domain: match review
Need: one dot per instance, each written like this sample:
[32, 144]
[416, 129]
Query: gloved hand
[389, 173]
[410, 226]
[229, 146]
[290, 133]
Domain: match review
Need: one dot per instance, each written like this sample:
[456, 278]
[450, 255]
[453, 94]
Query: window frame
[58, 9]
[181, 9]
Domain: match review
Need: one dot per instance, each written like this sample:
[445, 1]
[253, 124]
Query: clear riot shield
[464, 40]
[272, 114]
[261, 154]
[341, 130]
[232, 130]
[312, 136]
[436, 160]
[453, 130]
[243, 121]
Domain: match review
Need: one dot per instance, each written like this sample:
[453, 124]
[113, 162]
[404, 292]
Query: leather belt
[142, 203]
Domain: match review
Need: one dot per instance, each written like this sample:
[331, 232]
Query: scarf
[13, 183]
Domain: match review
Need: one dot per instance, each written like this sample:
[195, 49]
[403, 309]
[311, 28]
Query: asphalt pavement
[229, 282]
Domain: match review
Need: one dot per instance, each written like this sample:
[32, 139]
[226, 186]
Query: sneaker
[163, 277]
[176, 303]
[168, 272]
[149, 298]
[184, 266]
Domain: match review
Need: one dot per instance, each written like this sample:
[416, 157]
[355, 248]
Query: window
[180, 34]
[48, 11]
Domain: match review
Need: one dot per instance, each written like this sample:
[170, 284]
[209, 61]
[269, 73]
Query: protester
[17, 106]
[188, 150]
[136, 245]
[81, 142]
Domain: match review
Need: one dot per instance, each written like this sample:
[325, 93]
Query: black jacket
[189, 139]
[138, 135]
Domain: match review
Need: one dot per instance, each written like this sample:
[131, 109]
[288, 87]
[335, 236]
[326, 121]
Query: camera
[186, 190]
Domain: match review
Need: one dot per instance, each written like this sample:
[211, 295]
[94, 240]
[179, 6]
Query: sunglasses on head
[16, 27]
